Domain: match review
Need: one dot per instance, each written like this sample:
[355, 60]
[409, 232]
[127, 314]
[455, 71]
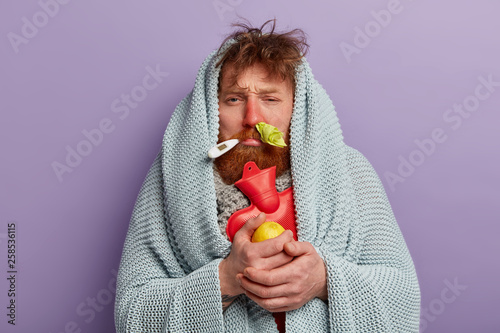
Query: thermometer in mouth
[222, 148]
[268, 134]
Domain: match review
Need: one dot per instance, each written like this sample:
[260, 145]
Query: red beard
[230, 165]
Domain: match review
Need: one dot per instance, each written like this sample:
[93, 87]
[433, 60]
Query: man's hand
[290, 286]
[266, 255]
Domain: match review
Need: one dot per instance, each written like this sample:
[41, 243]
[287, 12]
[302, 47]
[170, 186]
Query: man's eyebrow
[239, 90]
[268, 91]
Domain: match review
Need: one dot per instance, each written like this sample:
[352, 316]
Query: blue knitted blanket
[168, 278]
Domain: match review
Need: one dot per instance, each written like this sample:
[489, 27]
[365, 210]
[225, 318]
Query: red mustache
[249, 133]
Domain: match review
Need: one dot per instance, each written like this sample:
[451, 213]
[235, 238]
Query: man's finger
[296, 249]
[249, 227]
[274, 277]
[263, 291]
[273, 246]
[277, 304]
[273, 262]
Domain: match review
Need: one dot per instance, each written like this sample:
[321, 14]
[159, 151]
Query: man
[350, 269]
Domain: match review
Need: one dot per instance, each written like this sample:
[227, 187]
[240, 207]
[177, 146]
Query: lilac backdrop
[397, 71]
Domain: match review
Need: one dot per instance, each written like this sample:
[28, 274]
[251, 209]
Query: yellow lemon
[267, 230]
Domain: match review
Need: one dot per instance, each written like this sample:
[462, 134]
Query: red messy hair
[279, 53]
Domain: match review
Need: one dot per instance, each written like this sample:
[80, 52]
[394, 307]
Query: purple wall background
[398, 87]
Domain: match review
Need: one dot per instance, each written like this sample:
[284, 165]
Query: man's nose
[253, 113]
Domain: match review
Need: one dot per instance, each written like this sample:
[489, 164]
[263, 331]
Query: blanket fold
[168, 277]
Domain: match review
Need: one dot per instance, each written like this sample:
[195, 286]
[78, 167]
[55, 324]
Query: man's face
[253, 98]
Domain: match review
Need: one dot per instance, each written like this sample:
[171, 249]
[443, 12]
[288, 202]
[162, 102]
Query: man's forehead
[234, 80]
[236, 88]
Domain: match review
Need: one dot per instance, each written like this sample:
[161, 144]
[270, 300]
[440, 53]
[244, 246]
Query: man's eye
[233, 99]
[270, 99]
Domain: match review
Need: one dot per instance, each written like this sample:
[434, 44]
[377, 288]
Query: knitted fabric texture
[168, 278]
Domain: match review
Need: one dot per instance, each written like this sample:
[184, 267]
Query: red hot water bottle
[259, 186]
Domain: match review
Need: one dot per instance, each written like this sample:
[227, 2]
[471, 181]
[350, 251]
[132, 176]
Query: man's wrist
[323, 295]
[229, 287]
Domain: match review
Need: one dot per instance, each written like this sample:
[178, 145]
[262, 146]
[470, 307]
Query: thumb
[252, 224]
